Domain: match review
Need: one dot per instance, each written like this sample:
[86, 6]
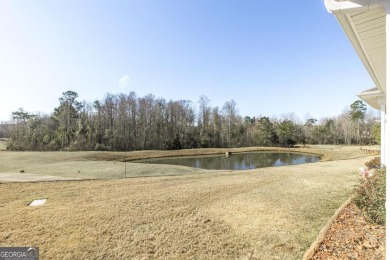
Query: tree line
[127, 122]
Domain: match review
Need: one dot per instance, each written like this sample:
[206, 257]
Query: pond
[238, 161]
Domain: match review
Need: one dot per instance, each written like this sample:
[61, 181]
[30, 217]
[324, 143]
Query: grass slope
[268, 213]
[92, 165]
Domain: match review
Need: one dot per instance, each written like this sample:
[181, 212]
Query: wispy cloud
[124, 81]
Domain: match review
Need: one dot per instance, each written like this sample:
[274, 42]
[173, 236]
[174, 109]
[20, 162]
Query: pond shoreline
[108, 165]
[129, 156]
[237, 161]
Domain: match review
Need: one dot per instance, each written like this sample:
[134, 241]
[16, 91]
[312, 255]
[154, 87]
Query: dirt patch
[350, 236]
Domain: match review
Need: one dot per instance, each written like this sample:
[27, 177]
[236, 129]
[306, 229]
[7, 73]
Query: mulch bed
[350, 236]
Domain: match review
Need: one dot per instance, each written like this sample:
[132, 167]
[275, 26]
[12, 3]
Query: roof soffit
[373, 97]
[364, 23]
[353, 6]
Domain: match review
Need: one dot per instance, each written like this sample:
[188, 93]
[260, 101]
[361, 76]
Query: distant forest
[128, 122]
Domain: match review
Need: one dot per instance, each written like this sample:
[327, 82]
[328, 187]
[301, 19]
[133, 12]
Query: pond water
[238, 161]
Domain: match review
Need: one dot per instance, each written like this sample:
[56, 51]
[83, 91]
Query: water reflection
[240, 161]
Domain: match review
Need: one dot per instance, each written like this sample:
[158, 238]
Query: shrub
[173, 144]
[374, 163]
[371, 195]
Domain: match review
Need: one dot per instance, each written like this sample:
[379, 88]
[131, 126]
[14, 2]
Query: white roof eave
[342, 11]
[346, 25]
[353, 6]
[373, 97]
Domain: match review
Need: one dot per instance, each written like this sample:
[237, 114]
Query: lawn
[268, 213]
[97, 165]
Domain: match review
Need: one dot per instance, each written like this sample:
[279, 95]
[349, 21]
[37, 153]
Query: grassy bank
[111, 164]
[268, 213]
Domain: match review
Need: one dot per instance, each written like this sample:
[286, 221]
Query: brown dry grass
[269, 213]
[92, 165]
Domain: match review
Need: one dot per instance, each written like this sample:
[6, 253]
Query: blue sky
[271, 57]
